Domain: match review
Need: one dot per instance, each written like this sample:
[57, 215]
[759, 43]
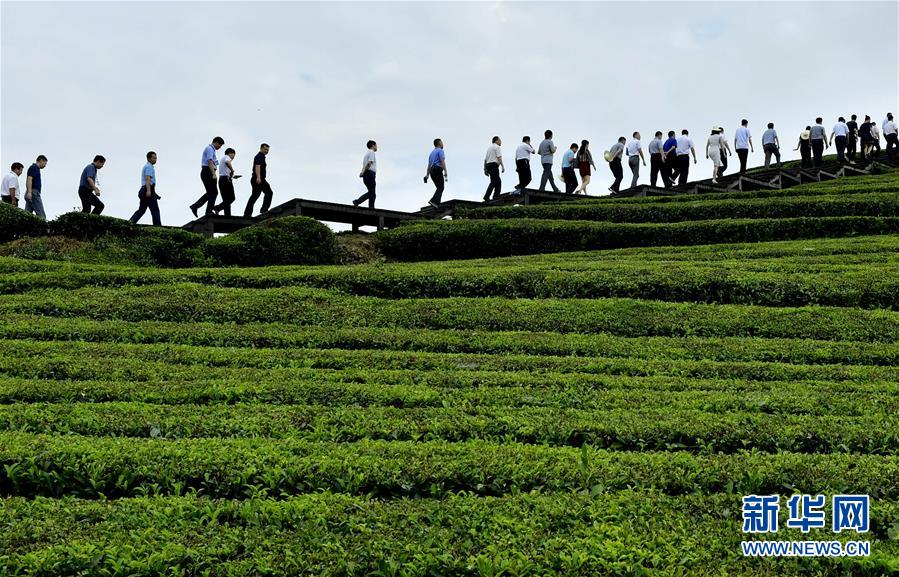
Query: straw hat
[607, 155]
[805, 134]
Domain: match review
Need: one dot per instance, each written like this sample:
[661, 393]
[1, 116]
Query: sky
[316, 80]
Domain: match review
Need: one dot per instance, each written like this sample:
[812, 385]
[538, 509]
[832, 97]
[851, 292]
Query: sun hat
[805, 134]
[607, 155]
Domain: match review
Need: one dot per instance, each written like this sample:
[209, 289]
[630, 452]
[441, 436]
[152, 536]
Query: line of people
[148, 199]
[668, 159]
[218, 177]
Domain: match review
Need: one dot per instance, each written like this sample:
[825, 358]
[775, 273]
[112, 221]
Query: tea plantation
[595, 402]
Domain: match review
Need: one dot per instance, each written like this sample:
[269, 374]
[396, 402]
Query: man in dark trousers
[669, 160]
[259, 183]
[523, 163]
[493, 163]
[88, 190]
[208, 167]
[742, 144]
[569, 162]
[819, 141]
[852, 139]
[147, 193]
[368, 174]
[615, 154]
[684, 149]
[546, 150]
[655, 158]
[436, 171]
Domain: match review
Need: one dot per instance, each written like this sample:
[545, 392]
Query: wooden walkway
[760, 179]
[359, 216]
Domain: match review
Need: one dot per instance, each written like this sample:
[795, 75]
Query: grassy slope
[422, 419]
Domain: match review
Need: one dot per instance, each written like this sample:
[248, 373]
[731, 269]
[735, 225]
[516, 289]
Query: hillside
[558, 411]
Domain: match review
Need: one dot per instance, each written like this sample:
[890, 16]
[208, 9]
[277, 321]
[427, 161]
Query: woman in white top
[714, 148]
[226, 184]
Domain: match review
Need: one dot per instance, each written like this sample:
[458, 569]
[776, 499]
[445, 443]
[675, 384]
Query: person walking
[804, 147]
[891, 134]
[655, 158]
[493, 163]
[714, 148]
[569, 162]
[546, 150]
[33, 201]
[669, 160]
[368, 174]
[523, 163]
[208, 167]
[875, 139]
[771, 145]
[615, 154]
[684, 149]
[259, 183]
[866, 137]
[635, 157]
[88, 187]
[819, 141]
[724, 153]
[10, 189]
[841, 134]
[584, 164]
[437, 172]
[226, 183]
[743, 144]
[852, 139]
[147, 196]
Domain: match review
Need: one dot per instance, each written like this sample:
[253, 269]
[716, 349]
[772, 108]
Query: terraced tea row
[624, 317]
[867, 285]
[105, 467]
[868, 204]
[465, 239]
[656, 428]
[466, 391]
[160, 363]
[284, 336]
[563, 535]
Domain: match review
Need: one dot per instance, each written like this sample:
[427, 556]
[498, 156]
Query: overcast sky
[317, 80]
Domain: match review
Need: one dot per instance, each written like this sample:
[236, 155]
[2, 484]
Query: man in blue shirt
[437, 172]
[33, 202]
[569, 161]
[88, 190]
[208, 164]
[669, 160]
[259, 184]
[147, 193]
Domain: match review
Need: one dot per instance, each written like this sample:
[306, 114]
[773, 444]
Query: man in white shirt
[891, 134]
[743, 144]
[841, 134]
[683, 151]
[493, 163]
[875, 134]
[10, 186]
[634, 157]
[523, 163]
[369, 170]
